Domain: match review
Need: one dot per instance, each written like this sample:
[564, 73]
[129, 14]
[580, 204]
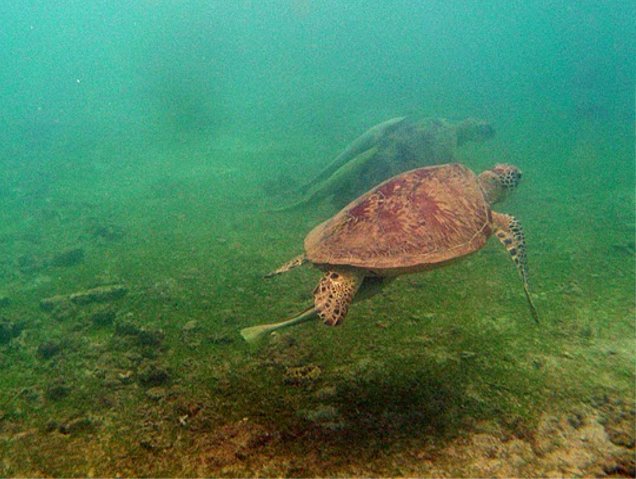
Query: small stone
[156, 393]
[67, 258]
[107, 232]
[151, 374]
[150, 337]
[326, 416]
[48, 349]
[77, 425]
[57, 391]
[575, 419]
[221, 338]
[327, 392]
[572, 288]
[423, 316]
[190, 326]
[537, 363]
[51, 426]
[126, 377]
[302, 375]
[467, 355]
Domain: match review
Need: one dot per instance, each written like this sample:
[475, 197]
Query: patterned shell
[418, 218]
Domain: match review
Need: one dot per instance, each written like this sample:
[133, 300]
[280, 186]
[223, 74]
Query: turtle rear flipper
[255, 333]
[510, 233]
[334, 294]
[291, 264]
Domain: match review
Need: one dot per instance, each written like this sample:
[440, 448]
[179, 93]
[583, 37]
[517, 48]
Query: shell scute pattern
[420, 217]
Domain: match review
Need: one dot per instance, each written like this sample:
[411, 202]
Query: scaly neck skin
[493, 190]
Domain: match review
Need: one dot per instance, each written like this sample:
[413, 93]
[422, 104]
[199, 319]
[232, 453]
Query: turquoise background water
[153, 137]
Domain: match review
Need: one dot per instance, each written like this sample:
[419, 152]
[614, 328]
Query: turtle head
[499, 181]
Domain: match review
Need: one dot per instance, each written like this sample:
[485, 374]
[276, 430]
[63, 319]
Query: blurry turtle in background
[416, 221]
[387, 149]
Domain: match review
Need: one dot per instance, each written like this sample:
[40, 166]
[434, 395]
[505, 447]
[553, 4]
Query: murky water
[149, 152]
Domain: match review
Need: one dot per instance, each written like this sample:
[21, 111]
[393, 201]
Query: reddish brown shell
[413, 220]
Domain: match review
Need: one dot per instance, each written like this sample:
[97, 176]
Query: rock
[302, 375]
[56, 391]
[220, 338]
[467, 355]
[322, 413]
[233, 442]
[54, 302]
[156, 393]
[150, 374]
[327, 392]
[126, 377]
[51, 426]
[9, 330]
[48, 349]
[77, 425]
[190, 326]
[30, 264]
[575, 419]
[125, 327]
[67, 258]
[108, 232]
[325, 416]
[103, 317]
[150, 337]
[618, 419]
[101, 294]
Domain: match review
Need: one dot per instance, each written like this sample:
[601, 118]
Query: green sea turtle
[387, 149]
[415, 221]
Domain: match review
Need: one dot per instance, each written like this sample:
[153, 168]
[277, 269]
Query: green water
[144, 143]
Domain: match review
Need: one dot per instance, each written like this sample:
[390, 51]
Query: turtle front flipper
[291, 264]
[335, 293]
[510, 233]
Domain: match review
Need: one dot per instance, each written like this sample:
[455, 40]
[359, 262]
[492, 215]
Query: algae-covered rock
[57, 390]
[69, 257]
[54, 302]
[103, 317]
[302, 375]
[48, 349]
[100, 294]
[78, 425]
[151, 374]
[9, 329]
[325, 416]
[156, 393]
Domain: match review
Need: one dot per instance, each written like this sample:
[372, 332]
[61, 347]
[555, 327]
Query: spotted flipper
[510, 233]
[291, 264]
[334, 294]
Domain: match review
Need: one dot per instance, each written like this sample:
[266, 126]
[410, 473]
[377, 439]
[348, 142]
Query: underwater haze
[153, 156]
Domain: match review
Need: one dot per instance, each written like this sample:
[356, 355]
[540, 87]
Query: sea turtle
[415, 221]
[387, 149]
